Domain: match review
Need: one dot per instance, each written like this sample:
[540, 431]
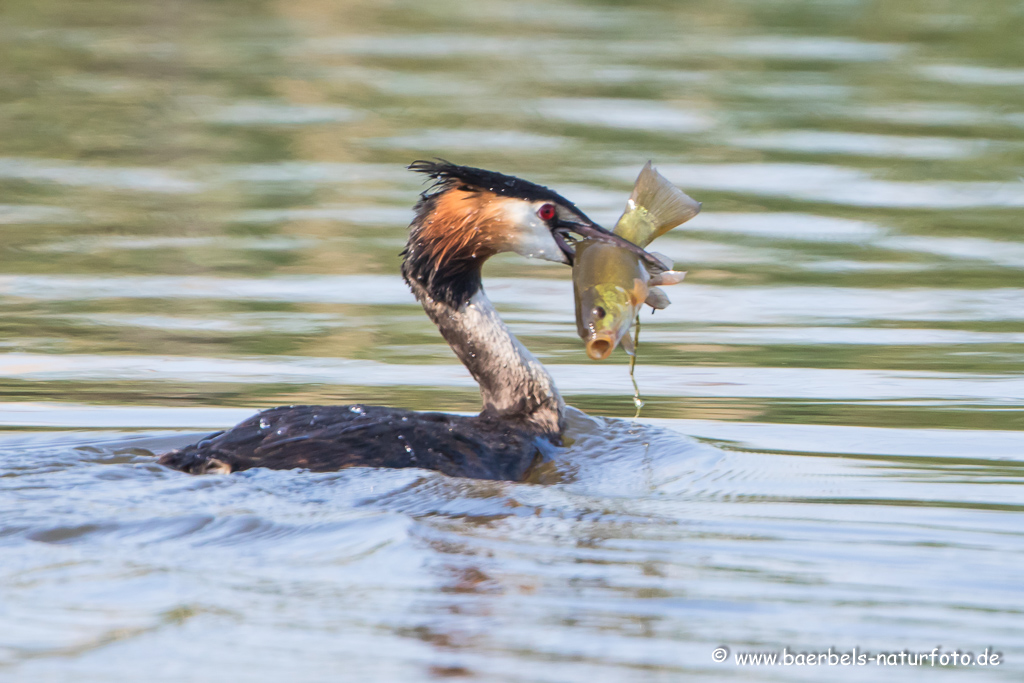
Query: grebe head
[470, 214]
[496, 212]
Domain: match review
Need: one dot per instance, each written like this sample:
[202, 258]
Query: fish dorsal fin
[666, 204]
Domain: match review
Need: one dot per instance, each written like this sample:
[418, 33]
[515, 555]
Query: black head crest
[450, 175]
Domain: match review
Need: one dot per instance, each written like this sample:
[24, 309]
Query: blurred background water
[202, 205]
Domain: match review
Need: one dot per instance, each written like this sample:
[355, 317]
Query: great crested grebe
[464, 218]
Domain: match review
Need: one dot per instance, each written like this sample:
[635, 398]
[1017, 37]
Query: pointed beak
[594, 231]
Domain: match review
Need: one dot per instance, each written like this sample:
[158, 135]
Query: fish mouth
[564, 231]
[600, 346]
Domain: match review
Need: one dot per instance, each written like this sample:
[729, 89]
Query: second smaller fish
[610, 283]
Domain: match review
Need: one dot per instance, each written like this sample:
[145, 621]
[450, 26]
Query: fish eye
[546, 212]
[600, 312]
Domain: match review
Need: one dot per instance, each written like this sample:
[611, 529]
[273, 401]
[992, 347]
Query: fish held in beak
[611, 281]
[610, 286]
[565, 230]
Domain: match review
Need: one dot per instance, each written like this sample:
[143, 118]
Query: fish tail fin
[666, 204]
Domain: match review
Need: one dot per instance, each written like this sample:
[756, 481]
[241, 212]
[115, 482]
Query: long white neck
[513, 383]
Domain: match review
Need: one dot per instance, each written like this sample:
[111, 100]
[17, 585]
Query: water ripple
[100, 177]
[16, 214]
[964, 74]
[863, 144]
[623, 113]
[270, 113]
[809, 383]
[837, 185]
[706, 303]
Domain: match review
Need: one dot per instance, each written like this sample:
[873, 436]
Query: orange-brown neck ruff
[454, 232]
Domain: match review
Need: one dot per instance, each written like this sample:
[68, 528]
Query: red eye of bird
[546, 212]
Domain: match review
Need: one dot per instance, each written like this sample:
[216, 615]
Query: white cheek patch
[532, 237]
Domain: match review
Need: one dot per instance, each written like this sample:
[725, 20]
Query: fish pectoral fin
[627, 344]
[669, 277]
[639, 293]
[656, 298]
